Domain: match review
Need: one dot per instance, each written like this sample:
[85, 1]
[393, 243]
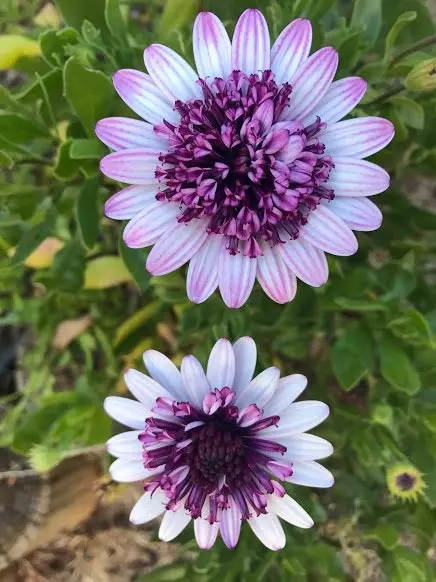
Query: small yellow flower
[405, 481]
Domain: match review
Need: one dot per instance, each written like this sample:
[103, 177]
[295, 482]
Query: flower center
[406, 481]
[234, 163]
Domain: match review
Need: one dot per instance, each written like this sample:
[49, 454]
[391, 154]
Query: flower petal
[306, 447]
[149, 225]
[306, 261]
[245, 362]
[357, 138]
[310, 474]
[288, 389]
[236, 276]
[297, 418]
[230, 525]
[148, 507]
[251, 43]
[221, 365]
[275, 278]
[130, 201]
[129, 470]
[212, 47]
[165, 372]
[171, 73]
[269, 530]
[176, 247]
[194, 380]
[202, 278]
[205, 533]
[125, 445]
[291, 49]
[143, 97]
[357, 178]
[311, 82]
[126, 411]
[121, 133]
[341, 98]
[136, 166]
[144, 388]
[358, 213]
[260, 390]
[173, 523]
[329, 233]
[288, 509]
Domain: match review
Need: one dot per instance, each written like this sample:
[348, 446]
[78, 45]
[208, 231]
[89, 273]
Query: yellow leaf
[69, 330]
[42, 257]
[48, 16]
[13, 47]
[105, 272]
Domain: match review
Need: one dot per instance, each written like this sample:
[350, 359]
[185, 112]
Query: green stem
[393, 90]
[421, 44]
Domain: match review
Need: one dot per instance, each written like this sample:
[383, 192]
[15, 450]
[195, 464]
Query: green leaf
[392, 36]
[68, 267]
[114, 20]
[49, 84]
[88, 92]
[86, 149]
[410, 566]
[176, 14]
[54, 44]
[65, 168]
[88, 213]
[6, 161]
[409, 111]
[397, 368]
[360, 305]
[352, 357]
[169, 573]
[32, 239]
[367, 14]
[74, 13]
[134, 259]
[411, 327]
[105, 272]
[18, 129]
[385, 534]
[44, 458]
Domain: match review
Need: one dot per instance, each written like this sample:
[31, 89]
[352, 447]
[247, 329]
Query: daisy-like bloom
[244, 168]
[405, 481]
[213, 447]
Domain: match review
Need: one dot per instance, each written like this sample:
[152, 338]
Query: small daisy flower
[214, 447]
[244, 168]
[405, 481]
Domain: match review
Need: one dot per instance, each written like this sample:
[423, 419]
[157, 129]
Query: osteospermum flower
[243, 167]
[213, 447]
[405, 481]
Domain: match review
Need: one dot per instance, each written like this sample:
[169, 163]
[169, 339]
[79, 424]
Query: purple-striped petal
[329, 233]
[245, 362]
[127, 203]
[176, 247]
[291, 49]
[276, 279]
[311, 82]
[310, 474]
[221, 365]
[136, 166]
[150, 224]
[341, 98]
[306, 261]
[260, 390]
[205, 533]
[143, 97]
[289, 510]
[212, 47]
[358, 213]
[202, 278]
[172, 74]
[251, 43]
[194, 380]
[173, 523]
[236, 276]
[230, 525]
[352, 177]
[121, 133]
[269, 530]
[357, 138]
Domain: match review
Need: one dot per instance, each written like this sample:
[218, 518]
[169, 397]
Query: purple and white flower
[213, 446]
[244, 168]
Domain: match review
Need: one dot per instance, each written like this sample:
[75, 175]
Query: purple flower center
[232, 162]
[406, 481]
[211, 458]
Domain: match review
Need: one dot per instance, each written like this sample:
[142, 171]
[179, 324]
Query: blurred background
[77, 308]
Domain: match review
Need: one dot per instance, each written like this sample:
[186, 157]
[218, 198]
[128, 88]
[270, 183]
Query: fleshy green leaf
[88, 213]
[393, 34]
[74, 13]
[176, 14]
[115, 21]
[86, 149]
[68, 267]
[352, 357]
[409, 111]
[386, 535]
[134, 259]
[32, 239]
[411, 327]
[367, 14]
[396, 366]
[6, 161]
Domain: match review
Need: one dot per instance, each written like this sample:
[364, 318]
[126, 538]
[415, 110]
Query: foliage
[85, 309]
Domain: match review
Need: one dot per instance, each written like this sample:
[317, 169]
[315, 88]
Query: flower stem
[393, 90]
[423, 43]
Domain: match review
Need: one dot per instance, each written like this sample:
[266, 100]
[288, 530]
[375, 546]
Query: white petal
[297, 418]
[205, 533]
[291, 49]
[221, 365]
[150, 224]
[120, 133]
[251, 43]
[130, 201]
[306, 447]
[357, 178]
[195, 381]
[260, 390]
[148, 507]
[164, 371]
[144, 388]
[275, 278]
[202, 278]
[236, 276]
[288, 389]
[230, 525]
[269, 530]
[129, 470]
[127, 412]
[357, 213]
[126, 445]
[310, 474]
[212, 47]
[245, 362]
[289, 510]
[329, 233]
[143, 97]
[173, 523]
[176, 247]
[136, 166]
[172, 74]
[306, 261]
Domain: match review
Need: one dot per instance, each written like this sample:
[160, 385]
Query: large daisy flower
[244, 168]
[213, 447]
